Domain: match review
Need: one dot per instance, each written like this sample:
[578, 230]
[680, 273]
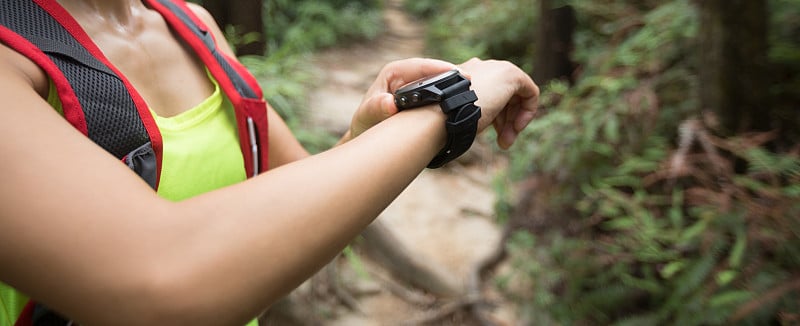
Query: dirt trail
[348, 72]
[445, 215]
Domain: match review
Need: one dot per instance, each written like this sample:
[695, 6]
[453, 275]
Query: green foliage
[692, 249]
[286, 82]
[236, 38]
[662, 228]
[356, 262]
[462, 29]
[647, 42]
[306, 25]
[293, 30]
[502, 206]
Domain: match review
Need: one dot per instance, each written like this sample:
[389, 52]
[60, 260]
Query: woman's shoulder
[209, 21]
[201, 13]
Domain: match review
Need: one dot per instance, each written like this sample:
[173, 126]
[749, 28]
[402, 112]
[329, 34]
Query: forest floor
[446, 216]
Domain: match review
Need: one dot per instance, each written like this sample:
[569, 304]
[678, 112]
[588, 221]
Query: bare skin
[87, 227]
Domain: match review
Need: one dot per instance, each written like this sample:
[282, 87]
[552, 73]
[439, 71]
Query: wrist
[461, 127]
[451, 90]
[345, 138]
[432, 121]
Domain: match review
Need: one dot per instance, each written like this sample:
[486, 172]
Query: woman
[85, 236]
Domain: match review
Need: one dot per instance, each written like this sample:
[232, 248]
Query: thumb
[372, 111]
[388, 108]
[377, 108]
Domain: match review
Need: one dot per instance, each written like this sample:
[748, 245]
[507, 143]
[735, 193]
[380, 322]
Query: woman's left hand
[507, 96]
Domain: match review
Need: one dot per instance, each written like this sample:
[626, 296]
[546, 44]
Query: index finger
[401, 72]
[528, 93]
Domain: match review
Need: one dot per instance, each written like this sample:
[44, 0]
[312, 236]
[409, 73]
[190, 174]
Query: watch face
[424, 81]
[428, 90]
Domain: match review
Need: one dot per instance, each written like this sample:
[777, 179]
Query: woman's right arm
[83, 234]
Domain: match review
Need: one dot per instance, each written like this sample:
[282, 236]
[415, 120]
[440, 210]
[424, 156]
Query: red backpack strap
[26, 317]
[35, 54]
[96, 98]
[35, 314]
[238, 84]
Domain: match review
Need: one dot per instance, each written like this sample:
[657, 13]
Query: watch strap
[456, 88]
[461, 126]
[456, 101]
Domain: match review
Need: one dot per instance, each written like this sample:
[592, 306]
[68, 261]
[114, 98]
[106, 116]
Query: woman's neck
[119, 14]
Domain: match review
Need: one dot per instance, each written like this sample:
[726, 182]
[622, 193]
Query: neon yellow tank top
[201, 153]
[201, 149]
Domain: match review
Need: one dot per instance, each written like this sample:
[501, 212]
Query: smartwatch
[451, 91]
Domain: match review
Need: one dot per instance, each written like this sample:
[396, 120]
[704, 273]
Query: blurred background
[660, 184]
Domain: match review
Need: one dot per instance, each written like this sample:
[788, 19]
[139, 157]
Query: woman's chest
[165, 72]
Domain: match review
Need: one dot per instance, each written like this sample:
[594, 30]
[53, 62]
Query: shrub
[649, 219]
[294, 29]
[462, 29]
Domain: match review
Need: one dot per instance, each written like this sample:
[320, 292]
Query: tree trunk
[733, 64]
[554, 43]
[245, 16]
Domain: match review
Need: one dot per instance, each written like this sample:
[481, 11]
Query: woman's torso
[201, 148]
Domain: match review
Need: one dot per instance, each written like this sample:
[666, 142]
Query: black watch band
[451, 91]
[461, 126]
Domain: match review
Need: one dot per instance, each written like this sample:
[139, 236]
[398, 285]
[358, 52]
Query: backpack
[99, 102]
